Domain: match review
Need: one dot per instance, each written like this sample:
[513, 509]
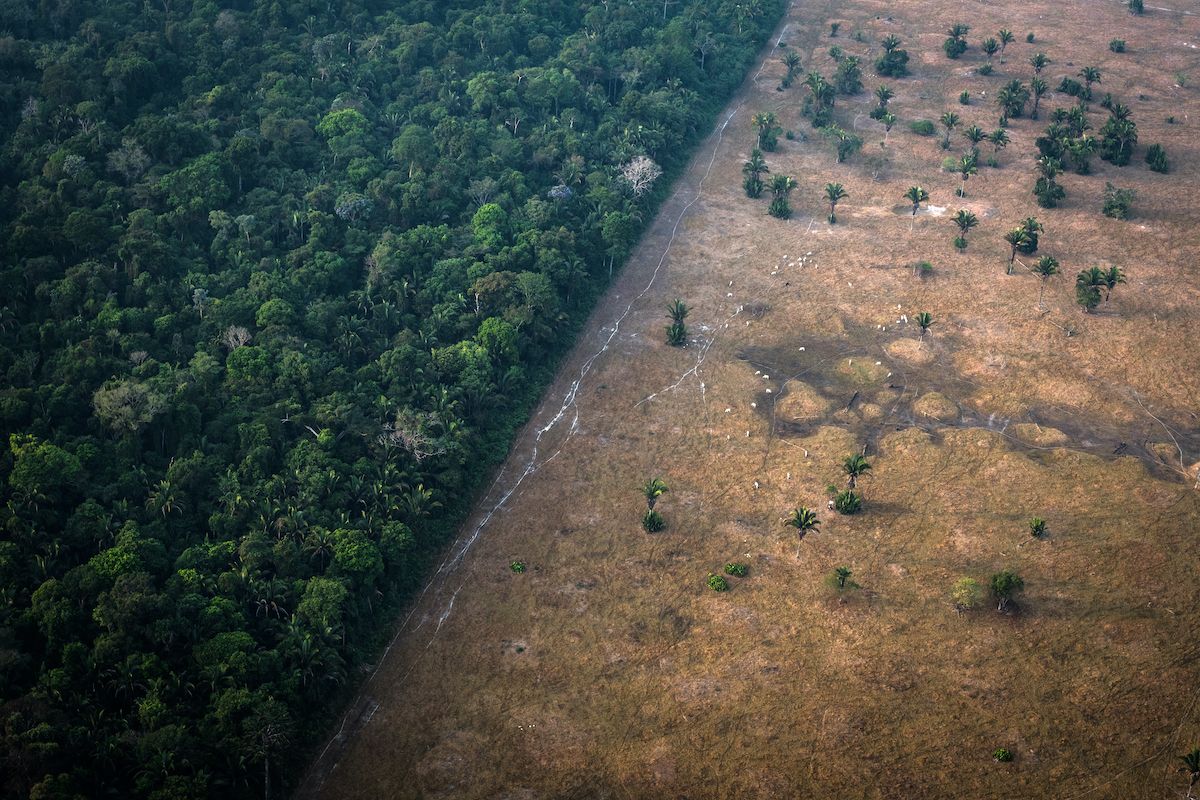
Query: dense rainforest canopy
[278, 281]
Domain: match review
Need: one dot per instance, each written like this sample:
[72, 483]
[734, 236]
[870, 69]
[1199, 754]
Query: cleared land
[609, 669]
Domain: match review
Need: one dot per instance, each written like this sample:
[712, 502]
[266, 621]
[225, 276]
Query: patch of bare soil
[613, 671]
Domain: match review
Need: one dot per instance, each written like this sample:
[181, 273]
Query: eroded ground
[609, 669]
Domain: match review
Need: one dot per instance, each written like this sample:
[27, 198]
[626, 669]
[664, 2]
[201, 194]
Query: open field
[609, 669]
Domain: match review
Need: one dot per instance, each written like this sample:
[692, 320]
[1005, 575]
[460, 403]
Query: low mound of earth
[801, 403]
[936, 406]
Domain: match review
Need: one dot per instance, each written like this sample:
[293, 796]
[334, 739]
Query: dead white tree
[640, 174]
[410, 431]
[235, 336]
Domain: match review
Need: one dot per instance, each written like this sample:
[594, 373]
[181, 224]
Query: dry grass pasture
[610, 670]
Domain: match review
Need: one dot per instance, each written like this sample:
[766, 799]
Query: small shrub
[833, 29]
[923, 269]
[848, 502]
[949, 164]
[992, 161]
[839, 579]
[738, 570]
[790, 136]
[960, 242]
[1137, 7]
[1117, 45]
[1156, 157]
[1029, 37]
[923, 127]
[1002, 754]
[965, 98]
[966, 594]
[653, 521]
[1171, 120]
[1037, 527]
[985, 69]
[677, 334]
[1072, 87]
[517, 566]
[717, 583]
[1117, 201]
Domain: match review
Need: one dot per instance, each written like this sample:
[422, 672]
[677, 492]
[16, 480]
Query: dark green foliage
[1029, 37]
[893, 63]
[517, 566]
[677, 334]
[839, 579]
[1117, 201]
[1137, 6]
[653, 521]
[964, 98]
[1005, 585]
[717, 583]
[1072, 87]
[1117, 45]
[1012, 98]
[1156, 157]
[1002, 755]
[847, 502]
[985, 69]
[956, 43]
[278, 284]
[1118, 136]
[737, 570]
[848, 78]
[1037, 527]
[1088, 286]
[923, 127]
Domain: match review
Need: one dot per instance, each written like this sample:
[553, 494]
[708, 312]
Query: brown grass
[610, 670]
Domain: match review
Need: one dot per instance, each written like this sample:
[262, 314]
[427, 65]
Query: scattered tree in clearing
[990, 47]
[925, 320]
[1006, 38]
[768, 130]
[999, 140]
[781, 187]
[753, 170]
[965, 220]
[1015, 238]
[894, 61]
[855, 466]
[1090, 75]
[803, 520]
[1033, 229]
[1048, 192]
[841, 578]
[677, 330]
[1039, 62]
[819, 104]
[1138, 7]
[888, 120]
[847, 502]
[966, 594]
[1045, 268]
[1118, 136]
[1038, 87]
[1112, 276]
[916, 195]
[834, 193]
[848, 77]
[975, 135]
[1087, 288]
[846, 143]
[956, 44]
[1117, 201]
[1156, 158]
[791, 60]
[884, 95]
[966, 168]
[1037, 527]
[949, 121]
[1012, 98]
[652, 521]
[1005, 585]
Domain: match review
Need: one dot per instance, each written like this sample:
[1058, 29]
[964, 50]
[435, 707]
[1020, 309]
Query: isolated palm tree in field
[854, 466]
[925, 320]
[1004, 585]
[767, 130]
[965, 220]
[1090, 75]
[888, 120]
[1006, 37]
[950, 121]
[884, 95]
[999, 140]
[803, 520]
[781, 187]
[916, 195]
[1087, 288]
[652, 490]
[1046, 267]
[834, 193]
[753, 170]
[1016, 238]
[1039, 87]
[966, 168]
[1112, 277]
[1039, 61]
[975, 135]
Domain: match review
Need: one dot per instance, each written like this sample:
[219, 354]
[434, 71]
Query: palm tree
[999, 139]
[888, 120]
[890, 43]
[1015, 238]
[854, 466]
[678, 311]
[1191, 765]
[1006, 38]
[1039, 61]
[990, 47]
[791, 60]
[822, 96]
[652, 490]
[1039, 88]
[1087, 287]
[966, 168]
[833, 194]
[781, 187]
[916, 195]
[767, 130]
[925, 320]
[841, 576]
[1090, 75]
[975, 135]
[1046, 267]
[753, 170]
[1032, 229]
[965, 220]
[950, 120]
[884, 94]
[803, 520]
[1112, 277]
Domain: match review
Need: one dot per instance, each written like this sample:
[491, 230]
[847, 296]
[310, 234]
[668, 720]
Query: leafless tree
[640, 174]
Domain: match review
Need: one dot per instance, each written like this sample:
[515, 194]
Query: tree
[965, 168]
[847, 143]
[640, 174]
[781, 187]
[1156, 157]
[1090, 75]
[841, 578]
[1048, 192]
[975, 135]
[127, 406]
[1087, 288]
[1037, 527]
[888, 120]
[956, 44]
[1033, 230]
[803, 520]
[652, 521]
[1016, 238]
[916, 195]
[1112, 276]
[999, 140]
[820, 101]
[1012, 98]
[966, 594]
[834, 193]
[949, 121]
[791, 60]
[1039, 62]
[768, 130]
[753, 170]
[1038, 87]
[652, 490]
[1118, 136]
[965, 220]
[894, 61]
[1005, 586]
[990, 47]
[1117, 201]
[1006, 38]
[925, 320]
[855, 466]
[1191, 760]
[847, 502]
[884, 95]
[1046, 268]
[848, 77]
